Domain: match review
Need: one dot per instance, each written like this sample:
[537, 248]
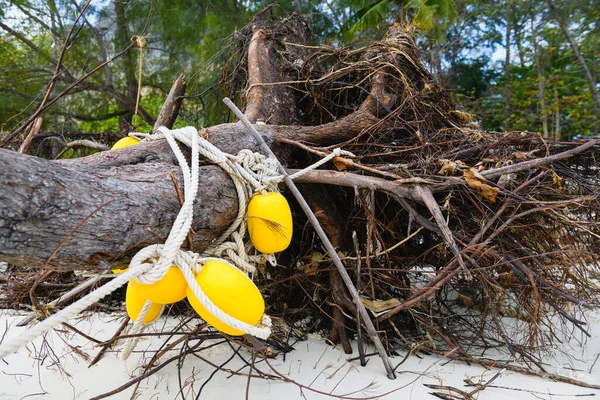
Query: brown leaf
[312, 267]
[477, 182]
[464, 300]
[340, 163]
[449, 166]
[521, 155]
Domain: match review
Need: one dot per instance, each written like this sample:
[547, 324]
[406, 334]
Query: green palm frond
[427, 13]
[424, 17]
[370, 15]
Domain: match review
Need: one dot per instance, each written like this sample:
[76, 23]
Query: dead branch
[87, 143]
[538, 162]
[142, 204]
[35, 129]
[170, 109]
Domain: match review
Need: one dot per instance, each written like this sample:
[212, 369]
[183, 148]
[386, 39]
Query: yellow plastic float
[269, 222]
[230, 290]
[134, 304]
[125, 142]
[170, 289]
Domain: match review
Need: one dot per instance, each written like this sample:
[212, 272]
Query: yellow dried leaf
[477, 182]
[312, 267]
[557, 180]
[449, 166]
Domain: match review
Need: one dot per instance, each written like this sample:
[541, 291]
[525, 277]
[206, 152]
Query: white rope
[12, 345]
[171, 248]
[337, 152]
[138, 328]
[151, 263]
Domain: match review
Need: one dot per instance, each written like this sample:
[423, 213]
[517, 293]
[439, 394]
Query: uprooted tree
[465, 240]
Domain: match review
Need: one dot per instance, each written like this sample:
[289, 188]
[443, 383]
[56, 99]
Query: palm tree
[427, 15]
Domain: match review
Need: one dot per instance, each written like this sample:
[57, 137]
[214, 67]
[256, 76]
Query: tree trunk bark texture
[114, 209]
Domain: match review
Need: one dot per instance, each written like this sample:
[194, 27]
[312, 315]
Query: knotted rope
[151, 263]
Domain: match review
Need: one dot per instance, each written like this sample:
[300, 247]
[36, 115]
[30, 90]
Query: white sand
[63, 374]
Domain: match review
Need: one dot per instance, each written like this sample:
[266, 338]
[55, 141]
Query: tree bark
[268, 100]
[42, 200]
[170, 110]
[130, 202]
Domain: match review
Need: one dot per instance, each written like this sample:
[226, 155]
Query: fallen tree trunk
[90, 214]
[43, 200]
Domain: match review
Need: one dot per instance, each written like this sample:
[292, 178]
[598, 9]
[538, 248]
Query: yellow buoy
[134, 304]
[230, 290]
[170, 289]
[125, 142]
[270, 222]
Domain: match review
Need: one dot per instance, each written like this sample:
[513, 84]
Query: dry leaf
[506, 278]
[449, 166]
[316, 258]
[557, 180]
[378, 306]
[477, 182]
[520, 155]
[340, 163]
[464, 300]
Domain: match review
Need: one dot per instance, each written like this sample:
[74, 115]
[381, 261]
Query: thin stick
[523, 166]
[326, 242]
[594, 363]
[515, 368]
[35, 129]
[53, 100]
[107, 345]
[359, 339]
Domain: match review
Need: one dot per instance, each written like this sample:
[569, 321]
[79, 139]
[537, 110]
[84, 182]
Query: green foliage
[369, 15]
[464, 40]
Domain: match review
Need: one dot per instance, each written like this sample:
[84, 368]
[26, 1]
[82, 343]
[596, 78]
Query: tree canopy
[546, 81]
